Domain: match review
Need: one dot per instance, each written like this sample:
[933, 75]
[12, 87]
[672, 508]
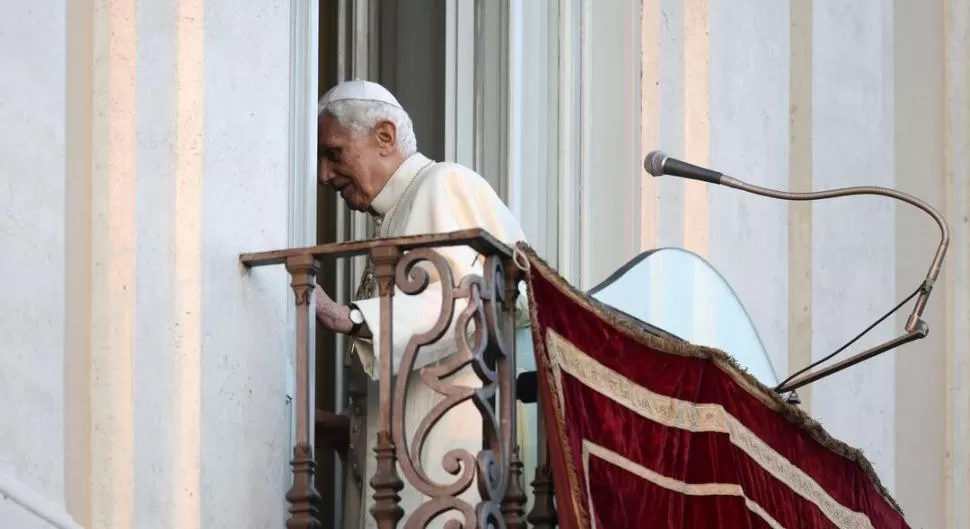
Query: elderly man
[368, 154]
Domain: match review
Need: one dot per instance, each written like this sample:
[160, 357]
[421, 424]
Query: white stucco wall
[123, 216]
[749, 139]
[956, 186]
[814, 95]
[853, 248]
[803, 95]
[201, 441]
[244, 205]
[147, 148]
[32, 238]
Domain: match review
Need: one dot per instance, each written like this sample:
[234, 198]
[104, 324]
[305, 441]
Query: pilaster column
[113, 136]
[178, 163]
[956, 31]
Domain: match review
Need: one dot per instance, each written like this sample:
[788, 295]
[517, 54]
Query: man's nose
[326, 174]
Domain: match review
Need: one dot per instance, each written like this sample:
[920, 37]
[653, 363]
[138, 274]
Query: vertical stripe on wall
[570, 140]
[78, 275]
[156, 387]
[529, 163]
[800, 179]
[750, 139]
[697, 119]
[305, 73]
[459, 79]
[189, 112]
[585, 204]
[610, 117]
[113, 251]
[918, 124]
[956, 35]
[670, 116]
[853, 244]
[697, 135]
[650, 121]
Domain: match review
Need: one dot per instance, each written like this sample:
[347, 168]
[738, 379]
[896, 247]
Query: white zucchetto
[358, 90]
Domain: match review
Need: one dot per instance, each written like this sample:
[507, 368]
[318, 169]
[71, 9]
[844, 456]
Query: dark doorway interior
[326, 232]
[400, 44]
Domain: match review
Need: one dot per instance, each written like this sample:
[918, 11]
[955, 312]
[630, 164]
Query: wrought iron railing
[497, 469]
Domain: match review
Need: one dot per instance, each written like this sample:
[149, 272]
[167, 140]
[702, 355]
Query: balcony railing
[497, 469]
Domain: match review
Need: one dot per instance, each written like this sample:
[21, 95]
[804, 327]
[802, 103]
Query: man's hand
[331, 314]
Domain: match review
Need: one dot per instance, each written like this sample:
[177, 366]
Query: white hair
[361, 116]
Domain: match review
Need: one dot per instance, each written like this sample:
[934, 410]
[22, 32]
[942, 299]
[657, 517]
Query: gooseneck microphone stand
[658, 164]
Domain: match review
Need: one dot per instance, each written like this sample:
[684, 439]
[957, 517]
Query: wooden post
[303, 495]
[386, 482]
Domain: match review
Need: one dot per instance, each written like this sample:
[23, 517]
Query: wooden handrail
[479, 240]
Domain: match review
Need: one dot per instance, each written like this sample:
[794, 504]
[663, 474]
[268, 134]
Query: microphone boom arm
[658, 163]
[915, 318]
[808, 378]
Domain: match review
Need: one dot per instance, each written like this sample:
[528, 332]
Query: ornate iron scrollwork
[480, 344]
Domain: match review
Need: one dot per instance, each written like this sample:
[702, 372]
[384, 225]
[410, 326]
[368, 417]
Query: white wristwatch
[357, 318]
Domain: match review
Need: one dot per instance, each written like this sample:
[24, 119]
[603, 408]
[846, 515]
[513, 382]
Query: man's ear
[387, 137]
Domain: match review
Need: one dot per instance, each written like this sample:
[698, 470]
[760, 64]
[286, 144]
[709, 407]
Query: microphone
[658, 164]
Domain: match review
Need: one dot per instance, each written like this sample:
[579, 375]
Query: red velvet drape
[650, 433]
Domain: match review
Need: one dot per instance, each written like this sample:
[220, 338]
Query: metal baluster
[386, 482]
[543, 514]
[513, 505]
[303, 495]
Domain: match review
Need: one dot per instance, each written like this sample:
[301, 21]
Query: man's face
[353, 166]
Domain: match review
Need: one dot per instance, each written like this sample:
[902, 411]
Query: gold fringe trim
[545, 371]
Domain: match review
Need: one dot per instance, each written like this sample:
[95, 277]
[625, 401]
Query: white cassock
[424, 197]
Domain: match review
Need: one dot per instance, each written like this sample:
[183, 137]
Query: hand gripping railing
[496, 470]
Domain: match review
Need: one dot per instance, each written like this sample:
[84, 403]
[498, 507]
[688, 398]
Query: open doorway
[327, 462]
[400, 44]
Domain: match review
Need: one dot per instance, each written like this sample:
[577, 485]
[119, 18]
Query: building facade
[148, 376]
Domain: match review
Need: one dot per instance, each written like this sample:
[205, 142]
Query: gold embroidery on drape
[676, 413]
[688, 489]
